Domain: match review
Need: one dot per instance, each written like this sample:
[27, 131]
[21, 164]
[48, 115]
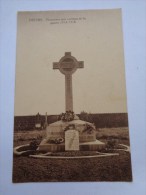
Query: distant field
[29, 135]
[121, 134]
[105, 120]
[114, 168]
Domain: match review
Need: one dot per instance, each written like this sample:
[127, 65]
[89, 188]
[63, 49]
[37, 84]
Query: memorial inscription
[71, 140]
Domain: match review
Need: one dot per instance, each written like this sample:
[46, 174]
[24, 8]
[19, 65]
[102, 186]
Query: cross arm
[80, 64]
[55, 65]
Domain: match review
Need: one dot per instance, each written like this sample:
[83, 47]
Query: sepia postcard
[71, 120]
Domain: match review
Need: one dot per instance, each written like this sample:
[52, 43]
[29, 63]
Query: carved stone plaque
[71, 140]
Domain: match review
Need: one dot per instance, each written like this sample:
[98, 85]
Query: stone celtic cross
[67, 66]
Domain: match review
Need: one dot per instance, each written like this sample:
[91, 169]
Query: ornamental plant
[67, 116]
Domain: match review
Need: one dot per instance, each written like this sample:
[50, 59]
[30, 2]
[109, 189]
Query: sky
[94, 37]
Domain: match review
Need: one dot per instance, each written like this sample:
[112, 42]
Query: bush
[33, 145]
[111, 144]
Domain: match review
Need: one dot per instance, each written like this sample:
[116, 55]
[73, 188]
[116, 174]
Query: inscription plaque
[71, 140]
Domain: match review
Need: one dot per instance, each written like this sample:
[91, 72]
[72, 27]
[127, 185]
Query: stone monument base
[75, 135]
[85, 146]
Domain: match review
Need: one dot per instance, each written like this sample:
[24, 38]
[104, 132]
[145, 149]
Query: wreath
[89, 128]
[71, 126]
[56, 140]
[67, 116]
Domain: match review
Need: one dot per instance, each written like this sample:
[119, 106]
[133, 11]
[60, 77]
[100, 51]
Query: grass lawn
[112, 168]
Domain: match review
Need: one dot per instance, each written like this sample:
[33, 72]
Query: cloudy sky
[94, 37]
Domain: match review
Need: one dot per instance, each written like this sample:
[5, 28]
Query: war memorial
[70, 133]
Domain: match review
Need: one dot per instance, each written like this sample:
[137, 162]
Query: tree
[86, 116]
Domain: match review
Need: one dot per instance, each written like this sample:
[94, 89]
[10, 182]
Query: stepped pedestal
[73, 135]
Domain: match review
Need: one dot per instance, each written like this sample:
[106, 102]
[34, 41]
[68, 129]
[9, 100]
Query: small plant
[33, 145]
[111, 144]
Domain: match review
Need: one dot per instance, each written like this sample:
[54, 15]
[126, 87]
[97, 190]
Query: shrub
[111, 144]
[33, 145]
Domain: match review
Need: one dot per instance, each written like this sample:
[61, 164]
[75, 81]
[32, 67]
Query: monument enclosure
[70, 98]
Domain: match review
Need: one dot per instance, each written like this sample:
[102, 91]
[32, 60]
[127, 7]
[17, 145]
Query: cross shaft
[67, 66]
